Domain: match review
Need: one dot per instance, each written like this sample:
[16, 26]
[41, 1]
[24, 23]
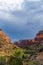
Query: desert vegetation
[26, 56]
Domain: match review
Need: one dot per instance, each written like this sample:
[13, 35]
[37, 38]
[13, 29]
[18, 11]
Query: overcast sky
[21, 19]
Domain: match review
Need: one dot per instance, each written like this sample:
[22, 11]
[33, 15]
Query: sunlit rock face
[6, 47]
[3, 37]
[39, 36]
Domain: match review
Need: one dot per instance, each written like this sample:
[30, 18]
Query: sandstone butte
[6, 47]
[37, 39]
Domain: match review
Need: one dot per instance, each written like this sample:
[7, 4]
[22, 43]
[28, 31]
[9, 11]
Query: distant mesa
[37, 39]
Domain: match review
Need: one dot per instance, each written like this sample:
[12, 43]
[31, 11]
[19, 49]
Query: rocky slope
[6, 47]
[4, 38]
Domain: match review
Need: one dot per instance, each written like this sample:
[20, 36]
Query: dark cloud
[25, 23]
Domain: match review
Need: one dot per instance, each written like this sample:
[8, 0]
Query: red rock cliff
[37, 39]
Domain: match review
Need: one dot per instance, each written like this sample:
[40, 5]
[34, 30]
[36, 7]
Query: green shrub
[2, 60]
[16, 58]
[14, 61]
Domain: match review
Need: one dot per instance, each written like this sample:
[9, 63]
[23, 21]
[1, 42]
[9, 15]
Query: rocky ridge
[6, 47]
[37, 39]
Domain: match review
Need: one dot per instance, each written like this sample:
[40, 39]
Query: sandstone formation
[37, 39]
[6, 47]
[3, 37]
